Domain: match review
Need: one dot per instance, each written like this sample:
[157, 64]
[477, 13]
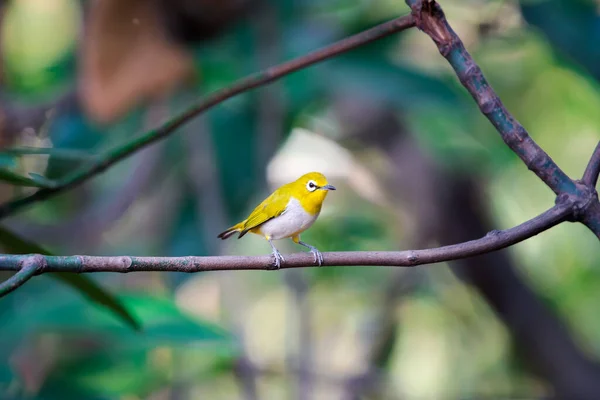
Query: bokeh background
[416, 165]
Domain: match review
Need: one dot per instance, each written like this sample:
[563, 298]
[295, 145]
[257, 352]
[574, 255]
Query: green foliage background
[57, 344]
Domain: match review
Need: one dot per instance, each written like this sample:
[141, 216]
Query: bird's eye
[311, 186]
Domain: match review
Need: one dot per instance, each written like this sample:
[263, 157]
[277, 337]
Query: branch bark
[590, 176]
[494, 240]
[589, 212]
[591, 215]
[30, 266]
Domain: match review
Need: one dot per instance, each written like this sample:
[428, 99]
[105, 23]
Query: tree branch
[430, 19]
[590, 176]
[591, 215]
[243, 85]
[589, 212]
[494, 240]
[30, 265]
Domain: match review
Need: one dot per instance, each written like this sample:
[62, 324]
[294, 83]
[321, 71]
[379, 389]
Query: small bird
[286, 213]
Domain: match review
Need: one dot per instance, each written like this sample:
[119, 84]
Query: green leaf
[72, 136]
[238, 167]
[42, 180]
[369, 73]
[571, 27]
[99, 295]
[7, 160]
[137, 370]
[6, 376]
[38, 44]
[164, 323]
[15, 244]
[13, 178]
[102, 358]
[107, 375]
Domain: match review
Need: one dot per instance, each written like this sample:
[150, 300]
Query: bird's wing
[271, 207]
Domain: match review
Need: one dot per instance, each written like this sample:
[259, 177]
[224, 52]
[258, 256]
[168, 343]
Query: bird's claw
[318, 255]
[278, 259]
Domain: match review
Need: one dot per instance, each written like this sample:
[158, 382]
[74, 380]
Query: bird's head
[312, 188]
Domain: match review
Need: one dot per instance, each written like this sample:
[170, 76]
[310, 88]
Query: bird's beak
[328, 187]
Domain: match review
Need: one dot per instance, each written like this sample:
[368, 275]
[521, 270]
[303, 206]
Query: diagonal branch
[238, 87]
[430, 19]
[589, 213]
[494, 240]
[590, 176]
[30, 265]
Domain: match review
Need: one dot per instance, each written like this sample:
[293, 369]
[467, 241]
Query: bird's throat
[313, 202]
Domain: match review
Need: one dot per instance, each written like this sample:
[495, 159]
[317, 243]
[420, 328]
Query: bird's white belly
[294, 220]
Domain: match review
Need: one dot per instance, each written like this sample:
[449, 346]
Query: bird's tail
[231, 231]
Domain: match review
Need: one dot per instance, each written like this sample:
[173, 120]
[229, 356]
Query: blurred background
[415, 163]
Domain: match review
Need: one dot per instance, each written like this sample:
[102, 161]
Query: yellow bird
[286, 213]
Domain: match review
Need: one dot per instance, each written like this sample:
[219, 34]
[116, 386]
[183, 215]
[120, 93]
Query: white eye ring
[311, 186]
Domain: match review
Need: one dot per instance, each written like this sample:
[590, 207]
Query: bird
[286, 213]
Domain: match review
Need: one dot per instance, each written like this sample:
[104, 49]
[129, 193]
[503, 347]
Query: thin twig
[30, 266]
[430, 19]
[97, 217]
[590, 176]
[64, 154]
[240, 86]
[494, 240]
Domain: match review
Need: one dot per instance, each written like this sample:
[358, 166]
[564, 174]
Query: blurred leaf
[186, 237]
[6, 377]
[106, 375]
[90, 345]
[571, 26]
[42, 180]
[129, 366]
[115, 70]
[7, 160]
[368, 73]
[70, 131]
[14, 244]
[237, 165]
[37, 39]
[97, 294]
[36, 180]
[162, 321]
[456, 144]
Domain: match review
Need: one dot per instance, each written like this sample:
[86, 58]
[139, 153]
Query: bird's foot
[278, 259]
[317, 254]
